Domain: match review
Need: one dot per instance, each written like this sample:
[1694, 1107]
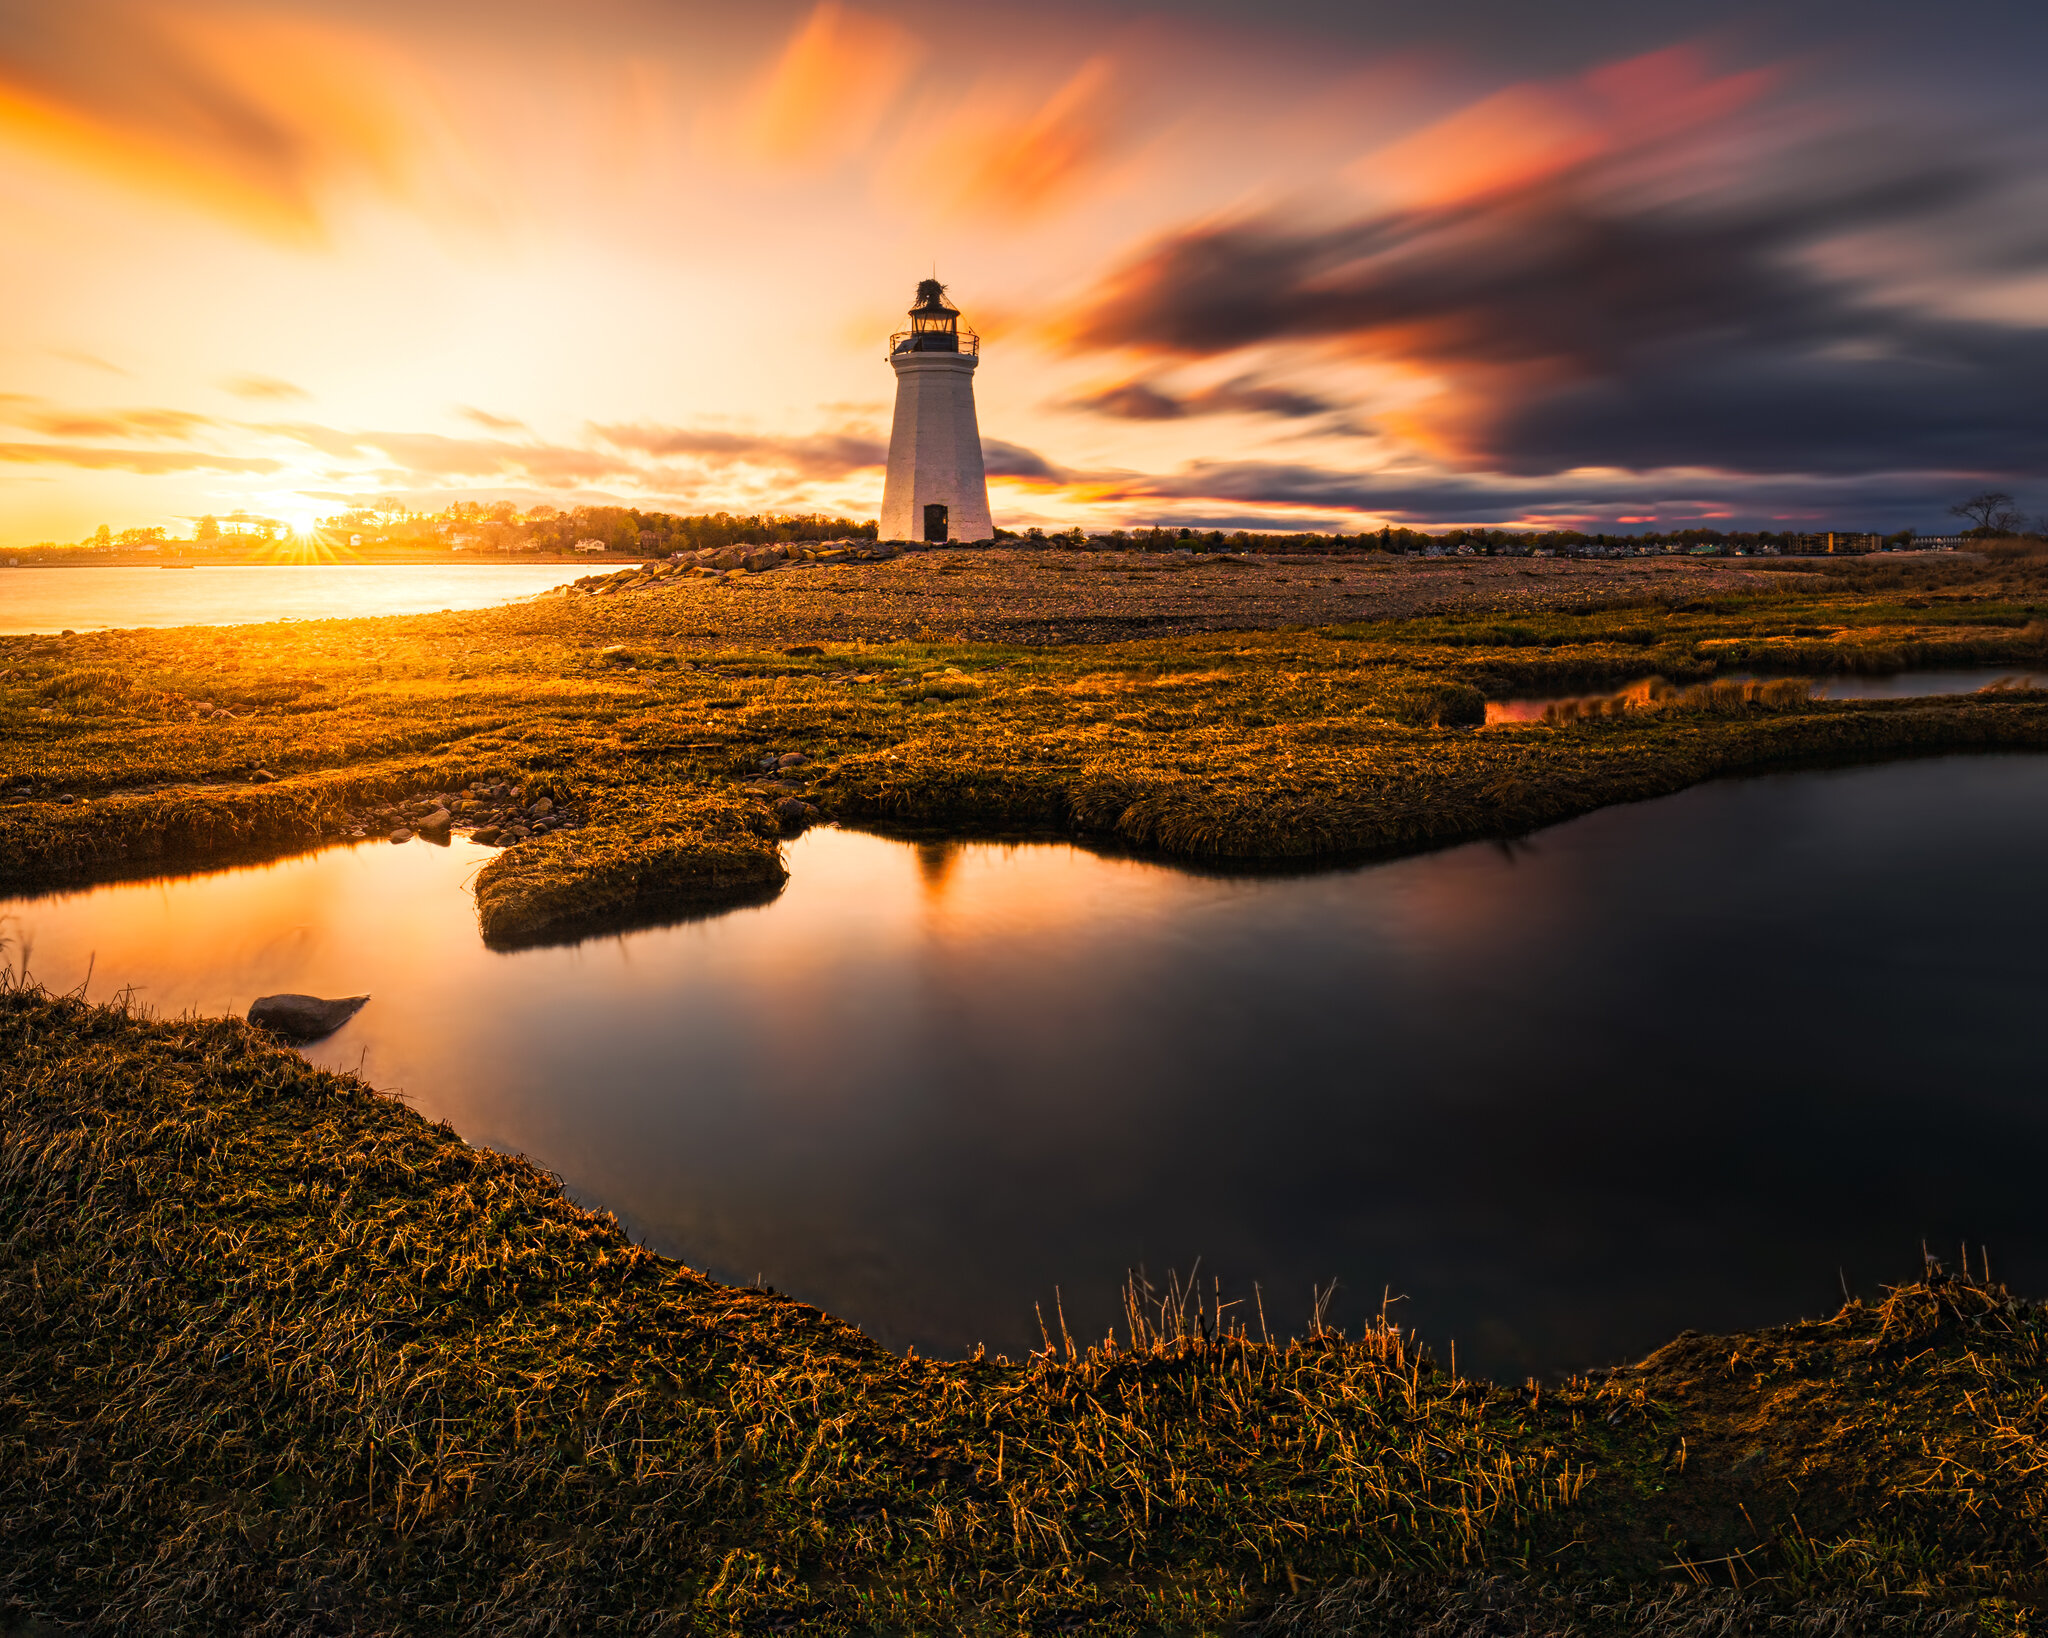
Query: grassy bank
[278, 1355]
[186, 747]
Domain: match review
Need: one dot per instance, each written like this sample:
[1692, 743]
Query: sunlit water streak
[1673, 1064]
[1643, 691]
[46, 600]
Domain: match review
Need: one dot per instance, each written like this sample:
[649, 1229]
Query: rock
[792, 759]
[304, 1017]
[67, 800]
[518, 833]
[486, 834]
[435, 823]
[401, 835]
[263, 776]
[542, 808]
[791, 811]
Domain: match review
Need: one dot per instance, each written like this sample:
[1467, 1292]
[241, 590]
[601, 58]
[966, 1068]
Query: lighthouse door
[935, 524]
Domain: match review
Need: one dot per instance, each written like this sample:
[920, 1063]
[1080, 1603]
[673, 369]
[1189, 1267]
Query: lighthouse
[935, 489]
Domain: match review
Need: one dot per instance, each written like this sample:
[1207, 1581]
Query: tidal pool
[36, 599]
[1696, 1062]
[1898, 685]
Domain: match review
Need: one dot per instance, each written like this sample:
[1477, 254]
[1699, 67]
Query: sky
[1304, 264]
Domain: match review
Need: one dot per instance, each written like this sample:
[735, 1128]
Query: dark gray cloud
[1214, 491]
[1007, 460]
[821, 455]
[1587, 321]
[1150, 399]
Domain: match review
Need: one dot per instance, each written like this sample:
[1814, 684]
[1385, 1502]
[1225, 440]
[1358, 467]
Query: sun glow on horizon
[295, 266]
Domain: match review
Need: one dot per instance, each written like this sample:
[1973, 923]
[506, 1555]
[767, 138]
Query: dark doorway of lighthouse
[935, 524]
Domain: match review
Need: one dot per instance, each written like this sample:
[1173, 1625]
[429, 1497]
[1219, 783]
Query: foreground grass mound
[278, 1355]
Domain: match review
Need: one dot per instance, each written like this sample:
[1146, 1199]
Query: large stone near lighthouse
[935, 488]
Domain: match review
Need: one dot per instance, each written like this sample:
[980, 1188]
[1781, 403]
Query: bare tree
[1993, 513]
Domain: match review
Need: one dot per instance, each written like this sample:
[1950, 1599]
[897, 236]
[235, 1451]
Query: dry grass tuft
[277, 1355]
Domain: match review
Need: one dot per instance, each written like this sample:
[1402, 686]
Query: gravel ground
[1039, 597]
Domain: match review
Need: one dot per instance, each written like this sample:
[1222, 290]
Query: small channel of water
[1673, 1064]
[1641, 691]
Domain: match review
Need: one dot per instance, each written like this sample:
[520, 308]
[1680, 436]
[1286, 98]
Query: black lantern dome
[934, 325]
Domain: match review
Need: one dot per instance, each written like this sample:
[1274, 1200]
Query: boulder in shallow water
[304, 1017]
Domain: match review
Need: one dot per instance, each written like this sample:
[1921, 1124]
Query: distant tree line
[1480, 542]
[501, 527]
[624, 529]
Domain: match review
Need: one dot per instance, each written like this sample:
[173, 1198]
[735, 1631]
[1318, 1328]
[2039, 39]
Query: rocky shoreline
[496, 813]
[720, 563]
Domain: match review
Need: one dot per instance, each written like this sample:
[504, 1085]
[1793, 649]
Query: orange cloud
[244, 116]
[263, 386]
[831, 88]
[154, 462]
[174, 425]
[1017, 163]
[1527, 133]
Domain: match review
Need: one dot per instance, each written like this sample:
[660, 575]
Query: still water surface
[1675, 1064]
[248, 594]
[1898, 685]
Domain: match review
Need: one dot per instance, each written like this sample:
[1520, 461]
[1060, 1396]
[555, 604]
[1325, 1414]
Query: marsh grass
[278, 1355]
[1219, 747]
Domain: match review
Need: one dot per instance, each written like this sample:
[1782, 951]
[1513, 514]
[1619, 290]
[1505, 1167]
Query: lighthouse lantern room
[935, 489]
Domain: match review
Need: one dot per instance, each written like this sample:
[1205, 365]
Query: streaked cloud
[91, 361]
[1006, 460]
[154, 462]
[1010, 152]
[824, 455]
[1609, 309]
[1151, 399]
[246, 113]
[263, 387]
[830, 88]
[490, 422]
[1226, 261]
[169, 425]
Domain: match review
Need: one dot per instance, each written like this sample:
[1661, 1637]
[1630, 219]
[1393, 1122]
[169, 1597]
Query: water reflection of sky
[1642, 690]
[39, 599]
[1670, 1065]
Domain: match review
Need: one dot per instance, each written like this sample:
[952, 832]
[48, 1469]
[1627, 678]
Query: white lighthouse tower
[935, 489]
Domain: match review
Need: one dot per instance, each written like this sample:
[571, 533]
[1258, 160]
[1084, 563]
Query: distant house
[590, 546]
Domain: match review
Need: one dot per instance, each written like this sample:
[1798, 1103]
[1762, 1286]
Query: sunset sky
[1287, 265]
